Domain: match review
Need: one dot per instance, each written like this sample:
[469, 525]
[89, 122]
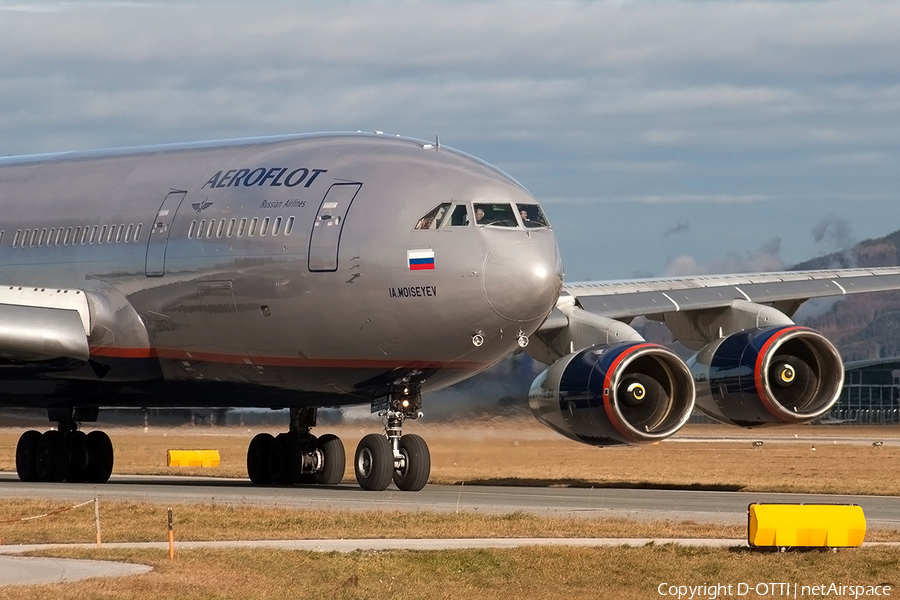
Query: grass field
[519, 452]
[523, 452]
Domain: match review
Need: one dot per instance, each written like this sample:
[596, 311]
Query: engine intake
[768, 376]
[626, 393]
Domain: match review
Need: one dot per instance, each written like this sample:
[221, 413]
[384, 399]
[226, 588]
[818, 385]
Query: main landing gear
[296, 456]
[64, 455]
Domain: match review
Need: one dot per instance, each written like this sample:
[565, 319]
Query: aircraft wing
[782, 290]
[38, 324]
[753, 366]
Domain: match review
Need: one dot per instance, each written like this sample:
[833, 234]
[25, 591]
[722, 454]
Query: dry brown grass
[143, 522]
[536, 573]
[521, 451]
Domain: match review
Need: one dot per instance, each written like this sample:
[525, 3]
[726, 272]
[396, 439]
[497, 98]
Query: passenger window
[498, 215]
[276, 225]
[433, 219]
[119, 232]
[289, 226]
[532, 216]
[210, 228]
[264, 226]
[230, 231]
[460, 216]
[16, 238]
[128, 232]
[242, 227]
[137, 232]
[191, 229]
[221, 228]
[253, 223]
[68, 236]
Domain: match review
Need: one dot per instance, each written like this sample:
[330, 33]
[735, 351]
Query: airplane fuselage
[270, 272]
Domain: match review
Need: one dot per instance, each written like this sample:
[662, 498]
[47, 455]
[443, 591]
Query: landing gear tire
[258, 459]
[79, 458]
[374, 462]
[334, 460]
[26, 456]
[415, 464]
[52, 456]
[284, 459]
[99, 457]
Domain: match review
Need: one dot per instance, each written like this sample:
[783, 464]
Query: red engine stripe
[758, 371]
[607, 401]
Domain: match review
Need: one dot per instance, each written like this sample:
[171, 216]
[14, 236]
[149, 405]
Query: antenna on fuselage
[437, 142]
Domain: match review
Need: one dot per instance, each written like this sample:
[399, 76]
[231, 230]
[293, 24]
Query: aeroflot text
[273, 177]
[775, 590]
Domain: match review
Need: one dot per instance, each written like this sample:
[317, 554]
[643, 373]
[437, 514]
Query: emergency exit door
[325, 240]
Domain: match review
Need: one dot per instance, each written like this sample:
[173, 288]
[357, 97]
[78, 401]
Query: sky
[662, 137]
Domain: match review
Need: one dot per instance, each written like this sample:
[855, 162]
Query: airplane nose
[522, 280]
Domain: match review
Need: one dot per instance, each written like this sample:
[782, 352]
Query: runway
[720, 507]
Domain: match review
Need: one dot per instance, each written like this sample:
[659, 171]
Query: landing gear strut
[66, 454]
[403, 458]
[296, 456]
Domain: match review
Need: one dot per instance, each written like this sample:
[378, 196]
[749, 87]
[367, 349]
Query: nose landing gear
[403, 458]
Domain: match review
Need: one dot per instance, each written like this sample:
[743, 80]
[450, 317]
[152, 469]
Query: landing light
[477, 340]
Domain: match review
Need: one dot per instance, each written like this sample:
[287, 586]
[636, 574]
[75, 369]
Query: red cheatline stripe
[758, 371]
[607, 392]
[280, 361]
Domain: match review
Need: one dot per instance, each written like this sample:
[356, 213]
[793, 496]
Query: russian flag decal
[420, 260]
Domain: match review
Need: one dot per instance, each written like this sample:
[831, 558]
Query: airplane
[328, 270]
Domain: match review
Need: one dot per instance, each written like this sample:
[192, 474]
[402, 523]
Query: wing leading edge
[784, 290]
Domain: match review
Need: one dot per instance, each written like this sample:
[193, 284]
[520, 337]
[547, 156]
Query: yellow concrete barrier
[806, 525]
[192, 458]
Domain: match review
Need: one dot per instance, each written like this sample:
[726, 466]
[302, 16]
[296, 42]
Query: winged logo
[201, 206]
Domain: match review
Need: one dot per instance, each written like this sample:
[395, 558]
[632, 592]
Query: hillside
[866, 326]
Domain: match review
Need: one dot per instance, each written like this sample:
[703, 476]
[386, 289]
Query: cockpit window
[499, 215]
[460, 216]
[434, 217]
[532, 216]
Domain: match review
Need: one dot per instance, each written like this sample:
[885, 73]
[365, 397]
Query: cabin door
[159, 234]
[324, 242]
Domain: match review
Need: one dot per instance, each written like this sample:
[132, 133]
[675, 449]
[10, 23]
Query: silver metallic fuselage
[205, 308]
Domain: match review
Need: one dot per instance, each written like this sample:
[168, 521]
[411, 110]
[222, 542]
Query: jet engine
[626, 393]
[768, 376]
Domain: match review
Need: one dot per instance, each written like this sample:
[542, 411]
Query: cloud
[765, 258]
[835, 231]
[658, 103]
[678, 228]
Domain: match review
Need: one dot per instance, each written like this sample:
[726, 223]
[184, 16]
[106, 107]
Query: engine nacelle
[768, 376]
[625, 393]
